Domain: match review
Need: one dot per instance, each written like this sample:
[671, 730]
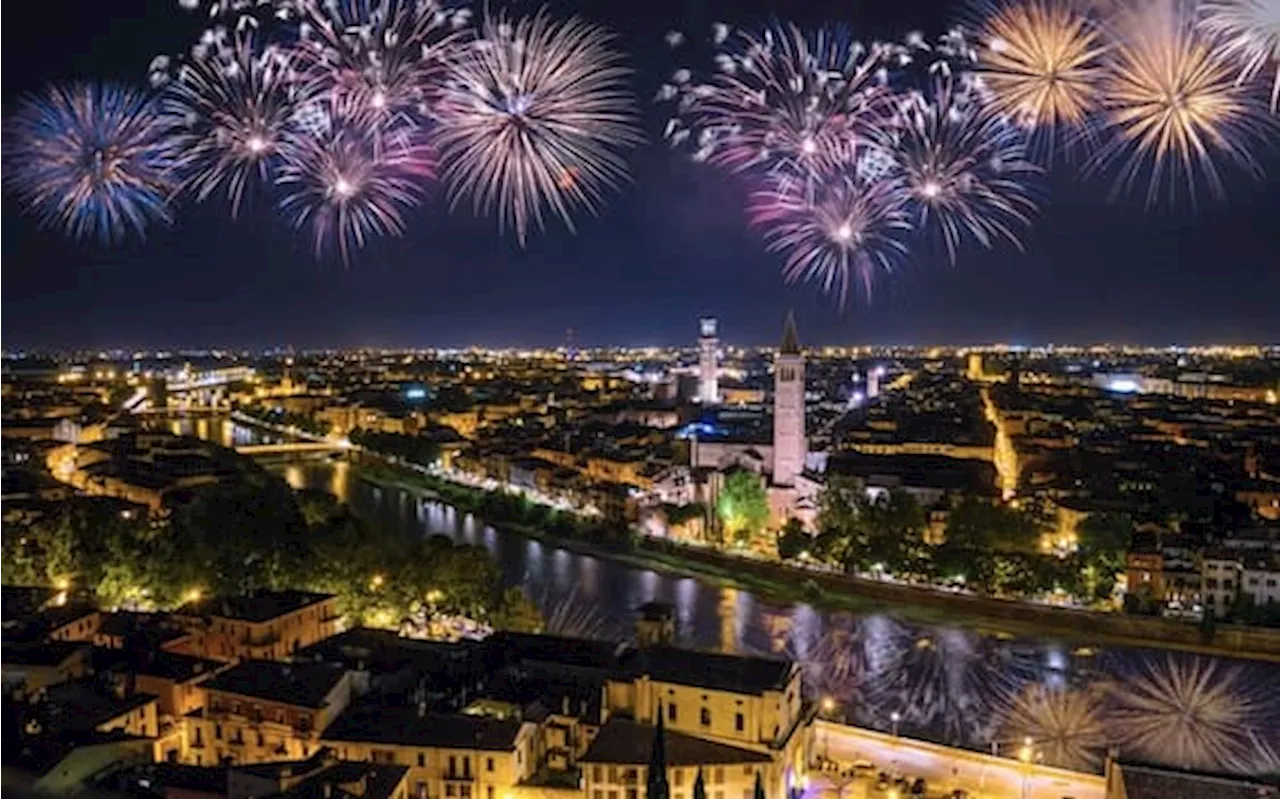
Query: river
[948, 682]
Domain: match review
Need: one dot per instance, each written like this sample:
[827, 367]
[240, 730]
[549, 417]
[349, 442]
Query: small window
[671, 712]
[706, 717]
[739, 723]
[488, 792]
[597, 774]
[422, 760]
[719, 777]
[597, 794]
[678, 774]
[488, 764]
[217, 731]
[746, 771]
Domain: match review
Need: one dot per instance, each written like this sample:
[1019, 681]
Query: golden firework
[1041, 62]
[1172, 101]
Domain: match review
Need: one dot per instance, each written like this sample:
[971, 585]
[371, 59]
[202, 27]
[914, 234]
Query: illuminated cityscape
[408, 399]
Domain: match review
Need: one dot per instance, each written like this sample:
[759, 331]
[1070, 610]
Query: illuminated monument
[708, 354]
[789, 443]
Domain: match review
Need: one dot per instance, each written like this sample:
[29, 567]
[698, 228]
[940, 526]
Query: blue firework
[90, 159]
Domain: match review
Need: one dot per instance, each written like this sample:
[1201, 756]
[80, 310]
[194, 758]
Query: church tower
[789, 444]
[708, 361]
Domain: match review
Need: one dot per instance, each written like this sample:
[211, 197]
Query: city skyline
[672, 245]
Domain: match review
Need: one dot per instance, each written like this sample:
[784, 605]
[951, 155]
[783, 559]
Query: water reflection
[941, 682]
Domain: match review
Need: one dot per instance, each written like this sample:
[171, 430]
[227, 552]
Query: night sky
[671, 246]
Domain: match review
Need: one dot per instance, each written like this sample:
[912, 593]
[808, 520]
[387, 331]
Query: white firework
[1250, 31]
[1191, 711]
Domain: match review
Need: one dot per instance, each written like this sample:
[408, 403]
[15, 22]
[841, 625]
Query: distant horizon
[283, 350]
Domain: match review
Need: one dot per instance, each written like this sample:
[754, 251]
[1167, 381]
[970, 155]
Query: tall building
[789, 443]
[975, 370]
[708, 355]
[873, 381]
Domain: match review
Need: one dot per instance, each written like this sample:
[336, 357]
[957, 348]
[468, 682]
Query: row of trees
[253, 532]
[989, 547]
[418, 450]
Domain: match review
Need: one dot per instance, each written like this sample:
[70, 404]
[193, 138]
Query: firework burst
[1172, 104]
[1250, 30]
[376, 60]
[231, 113]
[92, 160]
[964, 166]
[533, 118]
[353, 185]
[787, 100]
[1065, 726]
[947, 683]
[1192, 711]
[834, 230]
[1040, 61]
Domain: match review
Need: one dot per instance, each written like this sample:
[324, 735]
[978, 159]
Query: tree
[793, 539]
[517, 613]
[759, 788]
[699, 786]
[656, 786]
[743, 506]
[978, 523]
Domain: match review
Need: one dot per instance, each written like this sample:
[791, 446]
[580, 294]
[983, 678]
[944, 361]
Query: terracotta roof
[629, 743]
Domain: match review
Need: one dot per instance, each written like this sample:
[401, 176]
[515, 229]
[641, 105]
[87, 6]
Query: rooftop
[623, 741]
[298, 684]
[734, 673]
[258, 607]
[1149, 782]
[406, 726]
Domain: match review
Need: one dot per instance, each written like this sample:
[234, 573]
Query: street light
[895, 717]
[1026, 753]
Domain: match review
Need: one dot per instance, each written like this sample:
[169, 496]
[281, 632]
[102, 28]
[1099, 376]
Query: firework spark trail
[91, 159]
[785, 100]
[1172, 106]
[965, 167]
[376, 61]
[348, 187]
[231, 112]
[950, 683]
[1250, 31]
[1193, 711]
[573, 616]
[835, 229]
[1065, 726]
[533, 118]
[1040, 61]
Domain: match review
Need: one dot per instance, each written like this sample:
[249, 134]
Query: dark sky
[668, 248]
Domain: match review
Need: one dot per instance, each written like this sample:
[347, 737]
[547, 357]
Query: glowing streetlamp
[895, 717]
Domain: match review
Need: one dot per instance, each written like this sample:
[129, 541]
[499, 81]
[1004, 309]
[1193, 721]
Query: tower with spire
[789, 442]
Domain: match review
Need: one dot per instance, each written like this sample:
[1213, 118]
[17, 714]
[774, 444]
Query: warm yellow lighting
[191, 596]
[60, 598]
[376, 582]
[62, 583]
[828, 704]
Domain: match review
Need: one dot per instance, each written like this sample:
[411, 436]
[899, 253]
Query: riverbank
[785, 584]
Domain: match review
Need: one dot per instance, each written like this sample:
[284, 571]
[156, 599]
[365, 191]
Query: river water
[946, 682]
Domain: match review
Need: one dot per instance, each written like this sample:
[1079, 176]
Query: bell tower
[789, 443]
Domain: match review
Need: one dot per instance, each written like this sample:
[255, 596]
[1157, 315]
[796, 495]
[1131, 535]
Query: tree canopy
[743, 506]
